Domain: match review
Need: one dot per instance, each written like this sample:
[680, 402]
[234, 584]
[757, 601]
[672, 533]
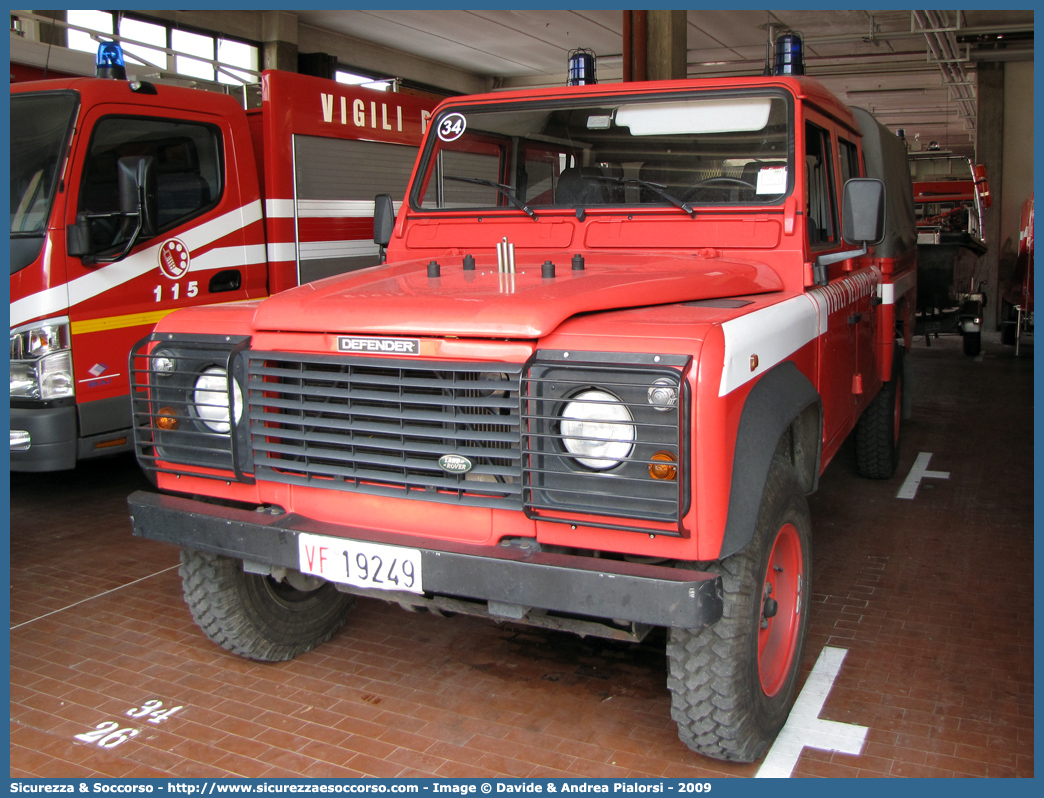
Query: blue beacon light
[109, 62]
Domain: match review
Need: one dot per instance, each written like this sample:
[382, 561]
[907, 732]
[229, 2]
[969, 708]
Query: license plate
[352, 562]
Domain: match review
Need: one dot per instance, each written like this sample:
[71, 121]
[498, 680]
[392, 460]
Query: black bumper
[647, 594]
[52, 433]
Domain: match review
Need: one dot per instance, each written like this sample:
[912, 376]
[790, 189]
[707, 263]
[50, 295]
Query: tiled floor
[931, 597]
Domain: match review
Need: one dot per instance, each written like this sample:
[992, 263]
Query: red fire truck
[130, 200]
[620, 332]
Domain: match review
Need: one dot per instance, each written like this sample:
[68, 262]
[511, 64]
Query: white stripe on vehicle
[765, 338]
[279, 208]
[318, 250]
[889, 291]
[104, 278]
[771, 334]
[337, 209]
[286, 251]
[229, 258]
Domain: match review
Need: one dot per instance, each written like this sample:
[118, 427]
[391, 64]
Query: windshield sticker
[452, 127]
[772, 180]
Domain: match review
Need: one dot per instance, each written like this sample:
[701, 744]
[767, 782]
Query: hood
[400, 299]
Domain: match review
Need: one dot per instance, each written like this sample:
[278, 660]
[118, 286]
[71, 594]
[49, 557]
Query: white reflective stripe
[889, 291]
[281, 252]
[42, 303]
[772, 334]
[317, 250]
[229, 258]
[54, 300]
[318, 209]
[279, 208]
[337, 209]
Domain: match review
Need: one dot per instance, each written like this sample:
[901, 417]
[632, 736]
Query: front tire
[733, 684]
[255, 616]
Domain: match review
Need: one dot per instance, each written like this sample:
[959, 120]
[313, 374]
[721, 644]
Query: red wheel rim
[780, 610]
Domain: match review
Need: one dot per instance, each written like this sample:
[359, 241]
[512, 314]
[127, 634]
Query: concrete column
[990, 151]
[279, 48]
[667, 51]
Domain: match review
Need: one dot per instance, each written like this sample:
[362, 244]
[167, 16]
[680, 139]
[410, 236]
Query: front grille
[381, 426]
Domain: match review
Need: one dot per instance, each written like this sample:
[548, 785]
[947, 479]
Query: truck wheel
[972, 343]
[255, 616]
[878, 429]
[733, 683]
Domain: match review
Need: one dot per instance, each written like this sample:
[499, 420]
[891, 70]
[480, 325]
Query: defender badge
[379, 346]
[455, 463]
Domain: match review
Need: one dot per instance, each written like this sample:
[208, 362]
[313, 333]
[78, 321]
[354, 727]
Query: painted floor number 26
[108, 734]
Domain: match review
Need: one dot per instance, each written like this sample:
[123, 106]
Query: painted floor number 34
[108, 734]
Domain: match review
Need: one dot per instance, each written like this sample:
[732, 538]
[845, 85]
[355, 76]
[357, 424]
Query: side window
[822, 213]
[189, 173]
[849, 160]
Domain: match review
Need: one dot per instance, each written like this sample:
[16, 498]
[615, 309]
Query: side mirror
[383, 221]
[863, 211]
[862, 222]
[135, 220]
[138, 195]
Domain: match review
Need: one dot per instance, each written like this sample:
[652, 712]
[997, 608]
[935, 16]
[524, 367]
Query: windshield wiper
[656, 188]
[505, 190]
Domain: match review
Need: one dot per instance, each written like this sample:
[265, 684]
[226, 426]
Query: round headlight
[210, 399]
[597, 429]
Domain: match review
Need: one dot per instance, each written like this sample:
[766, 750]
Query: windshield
[39, 132]
[686, 151]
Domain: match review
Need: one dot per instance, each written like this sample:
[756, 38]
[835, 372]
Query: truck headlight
[210, 400]
[41, 361]
[598, 429]
[607, 435]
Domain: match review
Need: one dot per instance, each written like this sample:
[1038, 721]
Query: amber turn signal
[664, 467]
[167, 419]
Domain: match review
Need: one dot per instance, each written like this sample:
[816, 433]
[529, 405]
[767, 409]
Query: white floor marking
[917, 473]
[89, 598]
[805, 729]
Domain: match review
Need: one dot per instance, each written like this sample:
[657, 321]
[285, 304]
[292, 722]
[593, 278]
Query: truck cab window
[188, 172]
[819, 170]
[38, 142]
[849, 160]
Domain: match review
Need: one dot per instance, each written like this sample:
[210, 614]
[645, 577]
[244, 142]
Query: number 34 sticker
[452, 127]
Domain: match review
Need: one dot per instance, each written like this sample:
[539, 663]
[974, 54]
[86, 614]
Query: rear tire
[878, 430]
[972, 343]
[255, 616]
[733, 684]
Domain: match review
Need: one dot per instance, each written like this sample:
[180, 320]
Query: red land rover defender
[619, 332]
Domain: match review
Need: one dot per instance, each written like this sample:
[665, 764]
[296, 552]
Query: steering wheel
[720, 180]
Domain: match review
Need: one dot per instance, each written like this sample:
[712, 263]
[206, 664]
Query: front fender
[782, 398]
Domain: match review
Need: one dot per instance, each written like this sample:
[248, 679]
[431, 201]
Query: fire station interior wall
[336, 181]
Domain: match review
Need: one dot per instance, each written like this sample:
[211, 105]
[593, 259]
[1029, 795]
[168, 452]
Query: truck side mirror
[136, 218]
[862, 222]
[138, 195]
[863, 211]
[383, 221]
